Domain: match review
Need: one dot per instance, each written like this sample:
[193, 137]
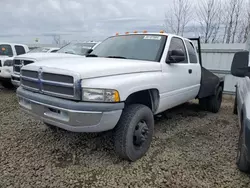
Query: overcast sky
[23, 21]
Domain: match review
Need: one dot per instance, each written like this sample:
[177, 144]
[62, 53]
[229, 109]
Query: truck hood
[45, 56]
[93, 67]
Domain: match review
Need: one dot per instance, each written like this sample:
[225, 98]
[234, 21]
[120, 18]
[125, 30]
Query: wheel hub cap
[140, 133]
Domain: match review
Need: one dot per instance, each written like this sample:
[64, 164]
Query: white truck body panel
[6, 71]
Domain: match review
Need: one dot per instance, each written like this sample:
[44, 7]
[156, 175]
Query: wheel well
[149, 98]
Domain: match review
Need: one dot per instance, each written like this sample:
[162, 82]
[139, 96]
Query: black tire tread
[122, 127]
[235, 104]
[210, 103]
[242, 164]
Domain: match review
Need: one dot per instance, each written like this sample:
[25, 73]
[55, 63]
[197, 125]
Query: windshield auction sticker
[148, 37]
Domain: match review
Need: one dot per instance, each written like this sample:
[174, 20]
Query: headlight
[100, 95]
[8, 63]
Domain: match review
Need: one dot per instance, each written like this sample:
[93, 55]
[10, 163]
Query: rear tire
[212, 103]
[134, 132]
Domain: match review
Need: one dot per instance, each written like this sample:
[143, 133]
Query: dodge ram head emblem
[40, 78]
[22, 62]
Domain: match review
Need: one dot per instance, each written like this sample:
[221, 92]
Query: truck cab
[120, 85]
[8, 51]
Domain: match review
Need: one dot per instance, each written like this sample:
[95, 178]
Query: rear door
[195, 67]
[179, 83]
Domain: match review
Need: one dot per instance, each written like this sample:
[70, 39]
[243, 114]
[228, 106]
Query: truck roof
[152, 33]
[12, 44]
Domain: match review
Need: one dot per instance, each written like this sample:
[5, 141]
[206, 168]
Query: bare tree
[208, 12]
[247, 23]
[244, 23]
[178, 16]
[236, 19]
[57, 39]
[232, 18]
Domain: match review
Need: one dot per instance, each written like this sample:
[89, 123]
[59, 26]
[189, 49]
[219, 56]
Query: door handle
[190, 71]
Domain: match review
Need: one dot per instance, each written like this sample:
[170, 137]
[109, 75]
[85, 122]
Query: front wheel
[134, 132]
[7, 85]
[235, 104]
[241, 159]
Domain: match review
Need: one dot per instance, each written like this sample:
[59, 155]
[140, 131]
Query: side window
[177, 44]
[191, 52]
[53, 51]
[20, 50]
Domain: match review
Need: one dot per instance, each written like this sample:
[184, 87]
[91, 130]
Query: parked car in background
[44, 50]
[120, 86]
[241, 69]
[7, 53]
[74, 49]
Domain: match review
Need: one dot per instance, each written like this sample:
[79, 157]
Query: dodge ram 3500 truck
[119, 86]
[7, 53]
[70, 50]
[241, 69]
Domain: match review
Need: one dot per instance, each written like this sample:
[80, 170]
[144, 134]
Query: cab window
[191, 52]
[177, 44]
[19, 50]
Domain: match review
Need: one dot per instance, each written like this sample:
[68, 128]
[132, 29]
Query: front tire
[235, 103]
[241, 159]
[7, 85]
[134, 132]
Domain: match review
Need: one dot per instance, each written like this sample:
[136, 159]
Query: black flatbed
[209, 81]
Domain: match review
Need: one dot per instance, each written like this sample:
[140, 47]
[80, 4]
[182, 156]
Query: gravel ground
[191, 148]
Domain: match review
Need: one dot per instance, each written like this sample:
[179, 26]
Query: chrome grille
[59, 85]
[18, 64]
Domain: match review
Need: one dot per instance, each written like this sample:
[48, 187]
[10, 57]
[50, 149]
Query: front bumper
[70, 115]
[15, 79]
[5, 72]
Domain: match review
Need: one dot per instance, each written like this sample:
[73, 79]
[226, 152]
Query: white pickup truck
[7, 53]
[73, 49]
[119, 86]
[241, 69]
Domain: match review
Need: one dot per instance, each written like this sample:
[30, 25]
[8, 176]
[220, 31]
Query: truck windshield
[6, 50]
[76, 48]
[138, 47]
[37, 50]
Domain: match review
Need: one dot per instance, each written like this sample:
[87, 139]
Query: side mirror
[240, 63]
[176, 56]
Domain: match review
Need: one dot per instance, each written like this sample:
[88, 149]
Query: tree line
[215, 21]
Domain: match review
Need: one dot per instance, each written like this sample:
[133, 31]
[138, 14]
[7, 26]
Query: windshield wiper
[91, 55]
[119, 57]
